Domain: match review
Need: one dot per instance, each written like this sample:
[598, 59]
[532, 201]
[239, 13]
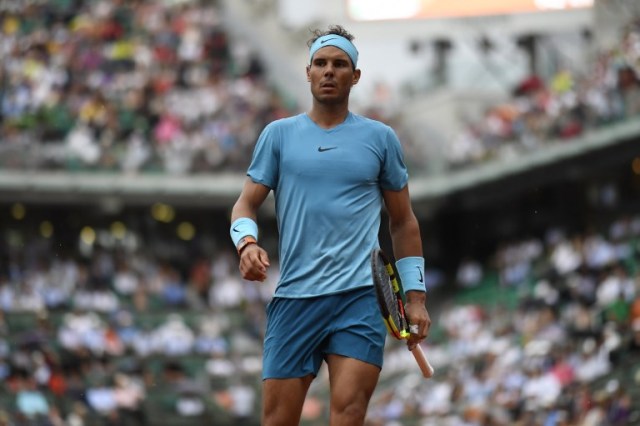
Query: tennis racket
[391, 301]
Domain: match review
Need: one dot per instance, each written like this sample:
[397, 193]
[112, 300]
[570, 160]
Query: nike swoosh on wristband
[324, 41]
[235, 230]
[328, 148]
[421, 279]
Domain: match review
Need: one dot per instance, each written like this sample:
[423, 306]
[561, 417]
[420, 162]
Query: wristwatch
[244, 242]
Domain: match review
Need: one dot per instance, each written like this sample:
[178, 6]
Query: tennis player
[330, 170]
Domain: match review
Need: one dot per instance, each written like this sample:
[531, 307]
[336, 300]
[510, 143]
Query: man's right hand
[254, 262]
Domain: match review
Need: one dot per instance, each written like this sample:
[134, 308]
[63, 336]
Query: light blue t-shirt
[327, 186]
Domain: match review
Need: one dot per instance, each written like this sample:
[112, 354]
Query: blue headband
[336, 41]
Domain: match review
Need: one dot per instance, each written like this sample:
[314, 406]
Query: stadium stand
[128, 86]
[572, 102]
[156, 86]
[115, 319]
[122, 333]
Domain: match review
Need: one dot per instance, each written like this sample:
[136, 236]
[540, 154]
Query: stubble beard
[331, 100]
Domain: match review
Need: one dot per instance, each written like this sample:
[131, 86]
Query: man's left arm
[407, 249]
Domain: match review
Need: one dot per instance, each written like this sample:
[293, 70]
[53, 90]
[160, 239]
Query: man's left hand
[417, 317]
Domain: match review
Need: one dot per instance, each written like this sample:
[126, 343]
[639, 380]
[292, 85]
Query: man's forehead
[331, 52]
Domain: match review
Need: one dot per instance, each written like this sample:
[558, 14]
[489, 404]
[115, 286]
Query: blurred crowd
[158, 86]
[116, 334]
[128, 86]
[576, 99]
[566, 353]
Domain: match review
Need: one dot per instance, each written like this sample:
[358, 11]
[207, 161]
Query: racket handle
[423, 363]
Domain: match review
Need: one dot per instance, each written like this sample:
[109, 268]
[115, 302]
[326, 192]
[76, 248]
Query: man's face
[331, 76]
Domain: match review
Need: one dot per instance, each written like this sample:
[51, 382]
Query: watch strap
[244, 242]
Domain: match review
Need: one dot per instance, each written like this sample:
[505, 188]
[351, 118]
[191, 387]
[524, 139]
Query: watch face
[245, 241]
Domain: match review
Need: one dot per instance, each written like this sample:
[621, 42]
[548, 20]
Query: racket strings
[390, 299]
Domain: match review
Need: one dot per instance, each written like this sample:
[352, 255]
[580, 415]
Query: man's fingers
[424, 331]
[420, 328]
[253, 271]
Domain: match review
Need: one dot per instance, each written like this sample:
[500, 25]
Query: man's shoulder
[285, 122]
[369, 122]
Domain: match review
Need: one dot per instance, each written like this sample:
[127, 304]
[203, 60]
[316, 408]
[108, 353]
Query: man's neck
[328, 117]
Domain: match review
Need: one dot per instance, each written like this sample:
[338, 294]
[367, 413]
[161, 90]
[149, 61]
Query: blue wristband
[411, 273]
[242, 227]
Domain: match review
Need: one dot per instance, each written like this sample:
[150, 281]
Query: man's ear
[308, 73]
[356, 76]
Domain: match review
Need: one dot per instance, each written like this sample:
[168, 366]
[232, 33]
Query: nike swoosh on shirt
[327, 148]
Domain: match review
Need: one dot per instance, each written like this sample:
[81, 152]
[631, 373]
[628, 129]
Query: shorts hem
[283, 377]
[368, 361]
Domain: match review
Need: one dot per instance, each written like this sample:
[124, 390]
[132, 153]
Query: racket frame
[399, 331]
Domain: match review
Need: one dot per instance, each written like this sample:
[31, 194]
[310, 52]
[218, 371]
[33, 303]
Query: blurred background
[126, 127]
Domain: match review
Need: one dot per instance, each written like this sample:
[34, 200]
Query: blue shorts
[302, 332]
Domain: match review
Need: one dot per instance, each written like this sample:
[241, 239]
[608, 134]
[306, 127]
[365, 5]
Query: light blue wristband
[411, 273]
[242, 227]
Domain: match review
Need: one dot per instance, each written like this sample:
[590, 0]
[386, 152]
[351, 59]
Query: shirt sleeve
[394, 175]
[264, 165]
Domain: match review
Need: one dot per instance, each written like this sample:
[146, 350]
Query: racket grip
[423, 363]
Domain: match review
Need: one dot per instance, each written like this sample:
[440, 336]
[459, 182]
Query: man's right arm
[253, 259]
[251, 198]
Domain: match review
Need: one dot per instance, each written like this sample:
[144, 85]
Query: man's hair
[333, 29]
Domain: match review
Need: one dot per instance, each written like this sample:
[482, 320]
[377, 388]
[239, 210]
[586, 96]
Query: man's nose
[329, 69]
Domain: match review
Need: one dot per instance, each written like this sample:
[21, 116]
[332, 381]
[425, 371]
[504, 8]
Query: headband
[336, 41]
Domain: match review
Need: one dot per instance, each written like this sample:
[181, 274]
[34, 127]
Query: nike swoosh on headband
[338, 41]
